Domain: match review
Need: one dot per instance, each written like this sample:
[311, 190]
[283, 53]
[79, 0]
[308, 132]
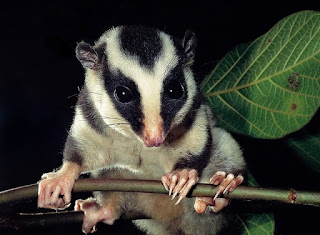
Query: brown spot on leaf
[294, 106]
[293, 81]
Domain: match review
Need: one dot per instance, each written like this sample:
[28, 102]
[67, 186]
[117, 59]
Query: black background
[40, 77]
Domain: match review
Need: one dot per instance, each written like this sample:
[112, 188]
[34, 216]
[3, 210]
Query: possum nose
[154, 141]
[153, 133]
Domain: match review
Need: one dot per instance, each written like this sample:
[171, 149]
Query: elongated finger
[226, 181]
[55, 196]
[236, 182]
[185, 191]
[173, 182]
[165, 181]
[66, 192]
[224, 184]
[217, 178]
[48, 192]
[183, 178]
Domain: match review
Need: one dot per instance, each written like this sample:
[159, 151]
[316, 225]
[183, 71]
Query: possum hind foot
[94, 213]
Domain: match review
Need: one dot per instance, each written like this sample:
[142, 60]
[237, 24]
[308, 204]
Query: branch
[30, 220]
[153, 186]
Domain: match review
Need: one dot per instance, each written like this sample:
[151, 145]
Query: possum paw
[54, 191]
[227, 183]
[180, 182]
[93, 214]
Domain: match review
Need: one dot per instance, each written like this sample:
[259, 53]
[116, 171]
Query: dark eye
[123, 94]
[174, 89]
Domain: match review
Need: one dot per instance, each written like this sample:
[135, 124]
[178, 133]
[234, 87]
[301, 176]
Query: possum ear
[87, 56]
[189, 44]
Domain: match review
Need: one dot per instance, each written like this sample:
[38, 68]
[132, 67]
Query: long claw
[180, 182]
[174, 195]
[166, 187]
[217, 178]
[226, 189]
[178, 201]
[165, 181]
[173, 183]
[217, 194]
[236, 182]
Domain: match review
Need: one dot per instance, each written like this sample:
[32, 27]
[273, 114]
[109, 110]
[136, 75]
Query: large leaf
[307, 147]
[271, 87]
[260, 223]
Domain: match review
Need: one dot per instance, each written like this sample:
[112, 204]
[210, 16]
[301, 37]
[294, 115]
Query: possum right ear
[87, 56]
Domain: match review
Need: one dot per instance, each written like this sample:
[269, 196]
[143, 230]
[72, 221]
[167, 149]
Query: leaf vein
[266, 108]
[306, 152]
[282, 48]
[240, 115]
[276, 123]
[258, 56]
[306, 45]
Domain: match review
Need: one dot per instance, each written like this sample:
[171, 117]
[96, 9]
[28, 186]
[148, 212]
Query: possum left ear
[189, 44]
[87, 56]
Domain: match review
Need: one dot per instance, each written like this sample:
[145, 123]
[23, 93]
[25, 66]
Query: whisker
[119, 123]
[96, 93]
[69, 97]
[91, 115]
[115, 118]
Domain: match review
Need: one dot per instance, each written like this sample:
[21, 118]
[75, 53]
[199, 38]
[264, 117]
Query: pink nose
[154, 141]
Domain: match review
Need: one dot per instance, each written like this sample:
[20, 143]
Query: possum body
[140, 115]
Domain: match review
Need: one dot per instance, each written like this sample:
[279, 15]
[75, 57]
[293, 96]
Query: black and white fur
[141, 115]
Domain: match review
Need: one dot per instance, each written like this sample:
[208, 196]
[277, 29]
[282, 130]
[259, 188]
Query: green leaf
[270, 87]
[251, 224]
[307, 147]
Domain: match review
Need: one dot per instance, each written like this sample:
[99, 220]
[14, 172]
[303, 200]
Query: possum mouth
[153, 140]
[153, 134]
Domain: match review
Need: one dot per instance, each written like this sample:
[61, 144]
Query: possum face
[143, 79]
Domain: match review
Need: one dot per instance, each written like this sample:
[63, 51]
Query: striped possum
[141, 115]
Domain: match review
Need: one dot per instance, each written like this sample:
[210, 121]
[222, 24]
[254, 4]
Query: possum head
[140, 81]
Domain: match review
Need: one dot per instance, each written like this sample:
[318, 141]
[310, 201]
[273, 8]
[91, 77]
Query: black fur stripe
[191, 115]
[71, 152]
[90, 113]
[142, 42]
[170, 107]
[197, 162]
[130, 111]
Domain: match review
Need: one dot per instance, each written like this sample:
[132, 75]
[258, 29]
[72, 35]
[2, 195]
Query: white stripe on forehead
[130, 66]
[149, 81]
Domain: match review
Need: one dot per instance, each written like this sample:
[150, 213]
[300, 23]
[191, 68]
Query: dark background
[40, 77]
